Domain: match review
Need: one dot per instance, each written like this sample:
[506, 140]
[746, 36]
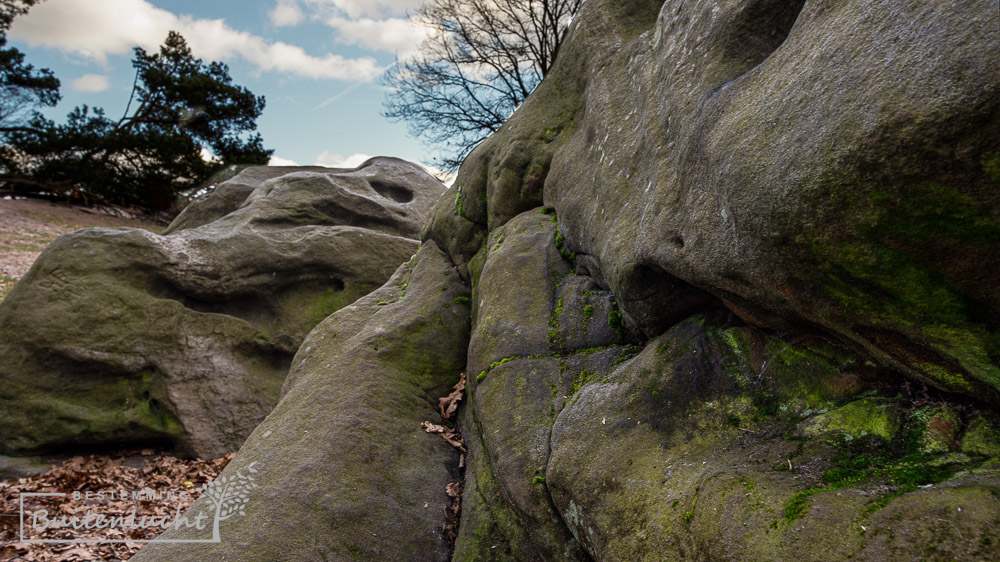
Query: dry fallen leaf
[161, 474]
[449, 404]
[452, 512]
[432, 428]
[77, 554]
[448, 435]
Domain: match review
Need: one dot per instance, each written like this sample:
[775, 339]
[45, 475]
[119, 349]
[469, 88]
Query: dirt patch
[27, 226]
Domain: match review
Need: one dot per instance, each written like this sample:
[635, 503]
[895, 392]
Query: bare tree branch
[481, 59]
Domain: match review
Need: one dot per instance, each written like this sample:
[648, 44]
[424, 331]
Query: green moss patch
[903, 463]
[481, 376]
[858, 419]
[884, 271]
[459, 207]
[981, 438]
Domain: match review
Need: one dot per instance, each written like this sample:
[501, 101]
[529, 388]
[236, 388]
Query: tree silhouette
[21, 86]
[183, 108]
[480, 61]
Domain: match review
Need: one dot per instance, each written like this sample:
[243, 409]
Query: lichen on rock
[754, 320]
[123, 336]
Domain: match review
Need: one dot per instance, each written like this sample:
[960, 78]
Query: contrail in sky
[347, 90]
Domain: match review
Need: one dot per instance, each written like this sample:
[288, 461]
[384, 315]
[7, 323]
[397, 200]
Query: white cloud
[286, 13]
[338, 161]
[91, 83]
[446, 178]
[93, 29]
[98, 29]
[367, 8]
[279, 161]
[395, 35]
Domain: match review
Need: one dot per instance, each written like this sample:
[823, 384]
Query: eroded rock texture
[345, 470]
[119, 335]
[827, 164]
[716, 440]
[794, 205]
[766, 226]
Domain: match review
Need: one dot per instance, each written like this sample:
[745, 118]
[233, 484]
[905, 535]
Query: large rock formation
[715, 440]
[119, 335]
[819, 164]
[343, 467]
[816, 169]
[229, 195]
[767, 226]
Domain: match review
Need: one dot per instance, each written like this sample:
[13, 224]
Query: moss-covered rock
[717, 441]
[534, 344]
[516, 292]
[938, 428]
[759, 216]
[119, 335]
[858, 419]
[488, 530]
[689, 451]
[982, 438]
[765, 213]
[705, 146]
[344, 469]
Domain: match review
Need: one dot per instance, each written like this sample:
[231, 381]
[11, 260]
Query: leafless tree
[479, 61]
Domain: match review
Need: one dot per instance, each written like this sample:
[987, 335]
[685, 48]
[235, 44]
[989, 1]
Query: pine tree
[183, 109]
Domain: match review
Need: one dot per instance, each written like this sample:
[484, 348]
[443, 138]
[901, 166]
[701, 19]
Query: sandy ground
[28, 225]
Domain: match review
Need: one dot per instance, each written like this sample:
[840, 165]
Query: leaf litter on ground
[165, 476]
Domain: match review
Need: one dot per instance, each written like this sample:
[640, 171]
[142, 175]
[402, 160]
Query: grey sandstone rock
[120, 335]
[345, 470]
[779, 213]
[809, 164]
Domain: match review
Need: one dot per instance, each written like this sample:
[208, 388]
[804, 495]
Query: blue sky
[316, 61]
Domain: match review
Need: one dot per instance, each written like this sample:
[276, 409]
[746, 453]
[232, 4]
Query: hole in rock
[397, 193]
[656, 300]
[759, 29]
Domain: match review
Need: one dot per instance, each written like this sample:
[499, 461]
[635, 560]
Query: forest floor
[87, 484]
[28, 225]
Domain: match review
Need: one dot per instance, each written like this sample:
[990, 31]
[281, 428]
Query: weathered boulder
[693, 450]
[717, 166]
[770, 217]
[540, 332]
[714, 441]
[344, 470]
[229, 195]
[120, 335]
[811, 164]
